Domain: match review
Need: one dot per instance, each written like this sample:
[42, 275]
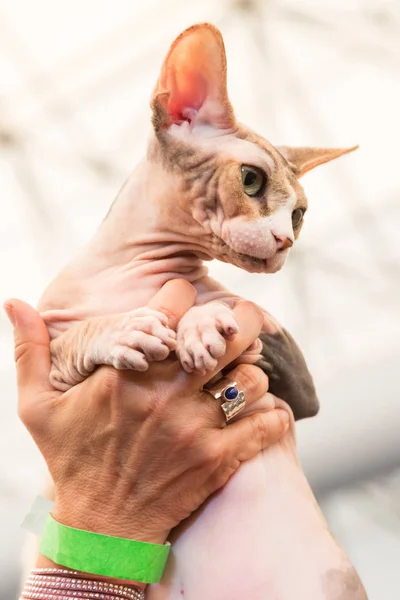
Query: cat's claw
[202, 335]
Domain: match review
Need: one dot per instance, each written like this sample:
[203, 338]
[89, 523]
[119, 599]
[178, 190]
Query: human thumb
[32, 352]
[174, 299]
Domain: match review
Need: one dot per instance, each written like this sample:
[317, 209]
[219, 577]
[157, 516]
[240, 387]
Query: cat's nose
[283, 242]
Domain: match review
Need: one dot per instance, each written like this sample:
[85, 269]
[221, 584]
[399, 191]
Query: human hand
[133, 454]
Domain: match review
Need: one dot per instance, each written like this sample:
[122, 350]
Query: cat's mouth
[253, 264]
[247, 262]
[253, 259]
[256, 265]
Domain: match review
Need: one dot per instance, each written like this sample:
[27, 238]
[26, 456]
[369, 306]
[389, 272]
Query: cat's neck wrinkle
[169, 262]
[162, 253]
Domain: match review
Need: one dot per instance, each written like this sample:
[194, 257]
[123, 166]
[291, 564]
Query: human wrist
[105, 556]
[80, 514]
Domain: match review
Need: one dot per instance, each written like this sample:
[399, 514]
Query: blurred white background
[75, 83]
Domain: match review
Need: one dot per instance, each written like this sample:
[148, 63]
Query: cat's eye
[297, 217]
[253, 179]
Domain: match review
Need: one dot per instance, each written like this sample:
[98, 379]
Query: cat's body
[208, 188]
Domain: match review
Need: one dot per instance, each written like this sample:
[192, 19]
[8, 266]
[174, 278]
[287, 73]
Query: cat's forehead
[241, 145]
[251, 137]
[204, 148]
[246, 151]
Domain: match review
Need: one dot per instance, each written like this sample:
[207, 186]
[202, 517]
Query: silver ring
[233, 399]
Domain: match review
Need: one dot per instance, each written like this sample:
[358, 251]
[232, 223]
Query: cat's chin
[257, 265]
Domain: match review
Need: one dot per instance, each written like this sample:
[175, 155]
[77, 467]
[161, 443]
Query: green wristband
[99, 554]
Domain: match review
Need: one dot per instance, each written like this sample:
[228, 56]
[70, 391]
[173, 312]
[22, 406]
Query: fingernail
[284, 417]
[9, 310]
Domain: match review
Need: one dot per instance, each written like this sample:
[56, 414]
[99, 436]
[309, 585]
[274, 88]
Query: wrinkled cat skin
[262, 536]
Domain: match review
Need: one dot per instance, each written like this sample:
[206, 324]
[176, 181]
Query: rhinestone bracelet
[56, 584]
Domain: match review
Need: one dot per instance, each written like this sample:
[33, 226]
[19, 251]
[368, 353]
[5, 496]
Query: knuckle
[112, 381]
[260, 429]
[205, 452]
[186, 436]
[251, 378]
[211, 453]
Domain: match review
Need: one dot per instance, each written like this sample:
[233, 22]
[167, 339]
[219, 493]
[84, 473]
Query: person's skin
[133, 454]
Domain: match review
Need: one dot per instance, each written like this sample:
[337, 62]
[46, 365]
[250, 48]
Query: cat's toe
[124, 358]
[214, 343]
[185, 359]
[203, 360]
[153, 348]
[226, 323]
[57, 380]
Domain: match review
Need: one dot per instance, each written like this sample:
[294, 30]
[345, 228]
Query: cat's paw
[126, 341]
[202, 335]
[134, 339]
[60, 381]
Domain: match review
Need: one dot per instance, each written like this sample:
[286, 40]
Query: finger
[270, 325]
[250, 380]
[263, 404]
[249, 319]
[256, 432]
[32, 350]
[174, 300]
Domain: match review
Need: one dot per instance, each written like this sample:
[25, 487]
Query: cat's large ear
[303, 159]
[192, 84]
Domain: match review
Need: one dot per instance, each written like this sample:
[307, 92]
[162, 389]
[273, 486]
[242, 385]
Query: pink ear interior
[182, 76]
[193, 72]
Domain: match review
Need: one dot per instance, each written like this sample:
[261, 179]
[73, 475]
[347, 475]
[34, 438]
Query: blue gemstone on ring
[231, 393]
